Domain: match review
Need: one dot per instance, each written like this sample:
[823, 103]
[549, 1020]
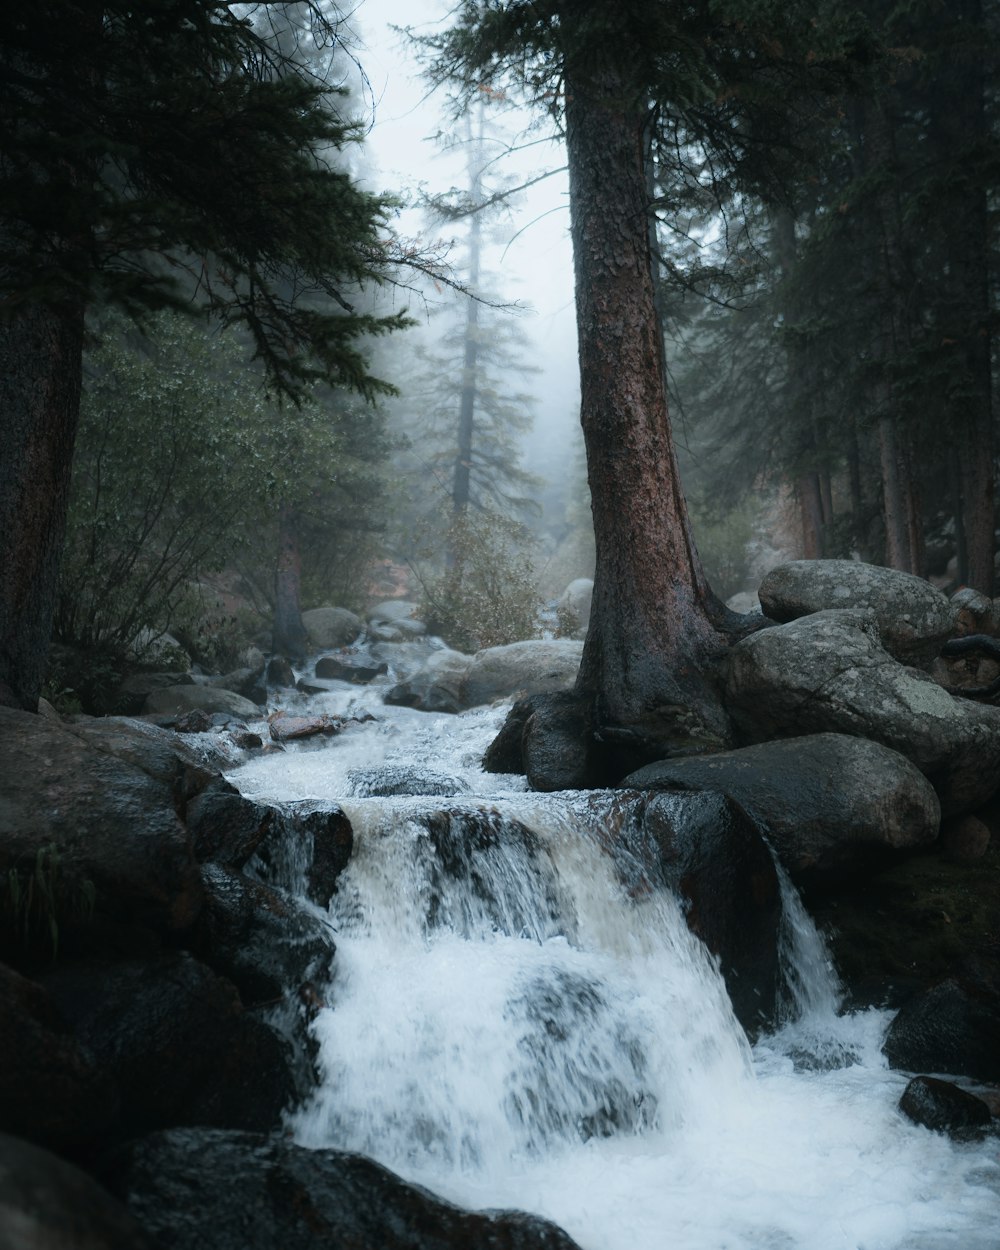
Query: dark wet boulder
[943, 1107]
[435, 687]
[48, 1204]
[913, 617]
[546, 737]
[305, 853]
[174, 1039]
[51, 1090]
[386, 780]
[280, 672]
[103, 831]
[828, 673]
[953, 1027]
[714, 857]
[226, 828]
[352, 668]
[263, 941]
[239, 1191]
[827, 802]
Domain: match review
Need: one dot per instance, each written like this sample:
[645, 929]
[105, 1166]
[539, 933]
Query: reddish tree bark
[648, 655]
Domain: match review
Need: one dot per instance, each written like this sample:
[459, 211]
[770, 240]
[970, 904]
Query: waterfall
[515, 1021]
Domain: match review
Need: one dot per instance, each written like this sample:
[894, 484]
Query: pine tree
[153, 156]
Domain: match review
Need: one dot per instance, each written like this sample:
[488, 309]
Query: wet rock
[241, 1191]
[437, 687]
[226, 828]
[131, 696]
[952, 1027]
[354, 669]
[505, 754]
[262, 941]
[176, 1042]
[976, 613]
[943, 1107]
[520, 669]
[51, 1091]
[280, 672]
[828, 673]
[395, 620]
[913, 618]
[305, 853]
[284, 727]
[965, 839]
[102, 834]
[182, 699]
[161, 753]
[827, 802]
[331, 627]
[713, 855]
[48, 1204]
[401, 779]
[249, 683]
[554, 743]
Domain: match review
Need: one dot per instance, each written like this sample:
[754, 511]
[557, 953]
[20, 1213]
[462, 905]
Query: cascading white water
[511, 1025]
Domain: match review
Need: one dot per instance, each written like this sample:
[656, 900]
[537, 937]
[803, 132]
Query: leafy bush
[486, 596]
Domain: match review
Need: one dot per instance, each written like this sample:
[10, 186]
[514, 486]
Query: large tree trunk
[289, 637]
[649, 649]
[40, 368]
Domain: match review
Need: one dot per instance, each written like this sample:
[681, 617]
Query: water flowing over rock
[829, 673]
[828, 802]
[913, 617]
[943, 1107]
[436, 687]
[389, 779]
[197, 1188]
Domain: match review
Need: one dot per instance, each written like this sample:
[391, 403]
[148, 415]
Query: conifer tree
[158, 155]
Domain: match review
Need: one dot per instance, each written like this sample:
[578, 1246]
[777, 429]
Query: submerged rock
[386, 780]
[943, 1107]
[827, 802]
[829, 673]
[913, 617]
[240, 1191]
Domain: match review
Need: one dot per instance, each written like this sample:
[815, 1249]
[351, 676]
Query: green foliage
[36, 900]
[181, 462]
[487, 597]
[185, 153]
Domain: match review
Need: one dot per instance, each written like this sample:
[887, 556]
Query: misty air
[499, 670]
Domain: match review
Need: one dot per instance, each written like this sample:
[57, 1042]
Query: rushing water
[512, 1026]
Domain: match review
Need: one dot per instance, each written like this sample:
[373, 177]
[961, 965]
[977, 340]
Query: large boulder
[436, 687]
[131, 695]
[180, 699]
[826, 801]
[829, 673]
[395, 620]
[944, 1108]
[51, 1091]
[331, 627]
[175, 1040]
[573, 608]
[101, 831]
[913, 617]
[713, 855]
[48, 1204]
[226, 828]
[952, 1027]
[263, 941]
[537, 666]
[240, 1191]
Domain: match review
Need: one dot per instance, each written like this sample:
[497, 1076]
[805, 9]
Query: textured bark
[289, 636]
[40, 368]
[811, 515]
[651, 639]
